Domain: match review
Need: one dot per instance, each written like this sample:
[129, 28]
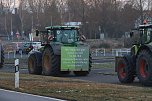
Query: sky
[17, 2]
[11, 2]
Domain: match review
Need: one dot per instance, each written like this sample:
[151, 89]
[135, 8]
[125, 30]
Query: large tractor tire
[125, 70]
[33, 64]
[50, 65]
[84, 73]
[144, 67]
[2, 58]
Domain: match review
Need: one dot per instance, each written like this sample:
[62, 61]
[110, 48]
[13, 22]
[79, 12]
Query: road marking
[32, 95]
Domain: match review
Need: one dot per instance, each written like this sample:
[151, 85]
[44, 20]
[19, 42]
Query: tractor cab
[142, 35]
[138, 63]
[61, 34]
[145, 33]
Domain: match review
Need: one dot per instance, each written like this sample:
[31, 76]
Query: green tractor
[139, 62]
[63, 51]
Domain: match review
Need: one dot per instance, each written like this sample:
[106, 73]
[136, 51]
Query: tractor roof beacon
[63, 51]
[139, 61]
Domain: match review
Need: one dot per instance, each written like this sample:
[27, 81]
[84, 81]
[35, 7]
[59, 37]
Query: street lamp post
[141, 12]
[13, 10]
[11, 27]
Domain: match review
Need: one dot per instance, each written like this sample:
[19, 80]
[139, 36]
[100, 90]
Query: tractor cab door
[146, 35]
[46, 37]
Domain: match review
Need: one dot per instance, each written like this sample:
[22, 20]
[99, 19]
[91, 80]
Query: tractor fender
[144, 47]
[38, 55]
[55, 47]
[129, 58]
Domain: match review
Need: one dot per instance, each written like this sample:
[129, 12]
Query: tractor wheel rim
[47, 62]
[143, 68]
[121, 70]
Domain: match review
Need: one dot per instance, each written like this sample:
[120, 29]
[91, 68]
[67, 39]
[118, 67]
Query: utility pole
[69, 17]
[6, 27]
[61, 10]
[32, 21]
[13, 10]
[51, 20]
[11, 27]
[21, 18]
[37, 16]
[83, 16]
[141, 12]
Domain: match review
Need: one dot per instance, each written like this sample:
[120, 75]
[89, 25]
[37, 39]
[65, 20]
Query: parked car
[36, 45]
[26, 47]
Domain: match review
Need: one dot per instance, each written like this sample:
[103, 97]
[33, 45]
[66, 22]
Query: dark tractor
[139, 62]
[63, 51]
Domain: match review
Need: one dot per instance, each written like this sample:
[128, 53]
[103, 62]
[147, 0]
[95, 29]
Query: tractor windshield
[66, 36]
[146, 35]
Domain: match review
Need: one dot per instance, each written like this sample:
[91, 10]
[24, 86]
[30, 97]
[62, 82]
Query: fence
[113, 52]
[99, 52]
[12, 54]
[95, 53]
[120, 52]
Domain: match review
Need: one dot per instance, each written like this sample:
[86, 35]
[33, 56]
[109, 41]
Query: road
[102, 60]
[102, 75]
[6, 95]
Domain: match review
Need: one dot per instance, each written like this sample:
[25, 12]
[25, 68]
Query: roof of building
[62, 27]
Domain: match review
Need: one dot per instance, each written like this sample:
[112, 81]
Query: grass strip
[75, 90]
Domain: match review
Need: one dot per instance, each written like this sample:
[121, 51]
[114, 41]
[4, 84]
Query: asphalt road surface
[6, 95]
[102, 75]
[99, 76]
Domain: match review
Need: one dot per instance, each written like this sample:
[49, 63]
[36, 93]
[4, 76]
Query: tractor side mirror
[131, 34]
[37, 32]
[82, 38]
[141, 33]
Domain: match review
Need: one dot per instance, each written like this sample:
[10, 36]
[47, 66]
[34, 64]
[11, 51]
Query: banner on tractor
[74, 58]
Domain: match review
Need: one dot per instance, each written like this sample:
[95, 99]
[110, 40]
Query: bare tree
[111, 17]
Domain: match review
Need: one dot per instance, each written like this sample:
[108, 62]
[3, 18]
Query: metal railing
[113, 52]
